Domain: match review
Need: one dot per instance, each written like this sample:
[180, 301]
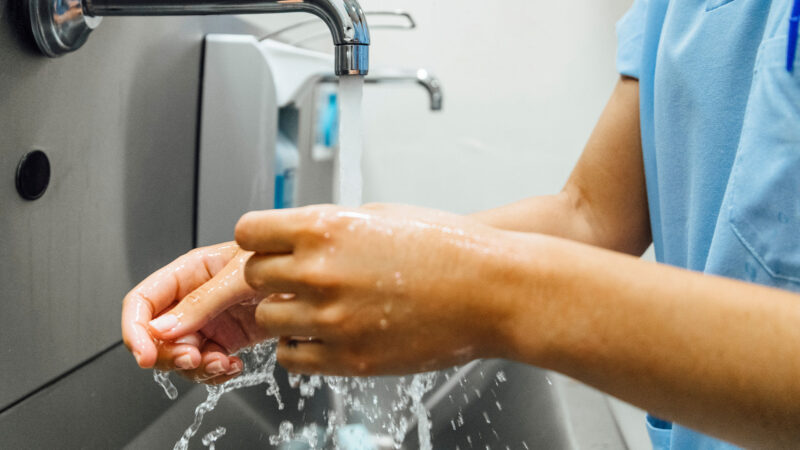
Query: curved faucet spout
[61, 26]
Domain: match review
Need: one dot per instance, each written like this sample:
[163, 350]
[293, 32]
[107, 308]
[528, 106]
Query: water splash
[162, 379]
[260, 362]
[211, 438]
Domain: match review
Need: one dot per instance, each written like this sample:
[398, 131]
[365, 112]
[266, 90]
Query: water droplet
[212, 437]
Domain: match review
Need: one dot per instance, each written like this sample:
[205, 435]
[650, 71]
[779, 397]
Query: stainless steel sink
[463, 414]
[109, 403]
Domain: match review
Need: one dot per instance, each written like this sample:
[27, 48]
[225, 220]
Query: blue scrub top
[720, 119]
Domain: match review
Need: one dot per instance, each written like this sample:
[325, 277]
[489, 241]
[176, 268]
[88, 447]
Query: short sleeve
[630, 38]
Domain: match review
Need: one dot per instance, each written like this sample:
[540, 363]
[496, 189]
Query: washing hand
[204, 292]
[377, 290]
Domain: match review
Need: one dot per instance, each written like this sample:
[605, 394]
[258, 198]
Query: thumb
[195, 310]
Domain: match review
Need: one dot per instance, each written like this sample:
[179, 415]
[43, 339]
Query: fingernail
[215, 368]
[184, 362]
[138, 357]
[235, 368]
[190, 340]
[164, 323]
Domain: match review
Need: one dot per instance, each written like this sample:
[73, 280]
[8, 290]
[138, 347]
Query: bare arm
[716, 355]
[604, 202]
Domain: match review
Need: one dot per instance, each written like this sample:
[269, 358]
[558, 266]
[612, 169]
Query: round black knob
[33, 175]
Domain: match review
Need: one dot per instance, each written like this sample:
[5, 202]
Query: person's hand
[378, 290]
[215, 313]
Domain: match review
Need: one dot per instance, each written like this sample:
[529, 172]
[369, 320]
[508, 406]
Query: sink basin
[464, 414]
[109, 403]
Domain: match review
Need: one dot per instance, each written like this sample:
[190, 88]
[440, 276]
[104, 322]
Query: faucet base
[59, 26]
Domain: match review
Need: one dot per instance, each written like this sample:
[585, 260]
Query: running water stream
[393, 406]
[348, 182]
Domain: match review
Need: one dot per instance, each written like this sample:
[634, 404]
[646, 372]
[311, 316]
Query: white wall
[524, 83]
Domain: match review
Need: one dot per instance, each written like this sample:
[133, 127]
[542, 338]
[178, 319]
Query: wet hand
[192, 314]
[377, 290]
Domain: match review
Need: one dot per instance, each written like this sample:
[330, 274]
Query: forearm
[604, 202]
[713, 354]
[553, 215]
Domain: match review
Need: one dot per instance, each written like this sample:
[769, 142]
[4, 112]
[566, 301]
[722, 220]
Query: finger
[276, 231]
[229, 331]
[272, 274]
[196, 309]
[214, 363]
[178, 356]
[218, 366]
[307, 358]
[288, 318]
[160, 290]
[135, 315]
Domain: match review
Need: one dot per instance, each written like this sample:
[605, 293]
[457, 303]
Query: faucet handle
[409, 24]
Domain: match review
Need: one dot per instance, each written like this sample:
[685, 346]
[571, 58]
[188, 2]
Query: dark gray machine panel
[118, 121]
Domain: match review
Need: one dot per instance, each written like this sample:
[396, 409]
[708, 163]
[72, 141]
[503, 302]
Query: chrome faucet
[422, 77]
[62, 26]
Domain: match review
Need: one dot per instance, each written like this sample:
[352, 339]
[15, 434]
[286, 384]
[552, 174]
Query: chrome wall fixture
[421, 76]
[63, 26]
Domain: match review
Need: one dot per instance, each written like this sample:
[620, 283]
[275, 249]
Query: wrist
[519, 295]
[539, 300]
